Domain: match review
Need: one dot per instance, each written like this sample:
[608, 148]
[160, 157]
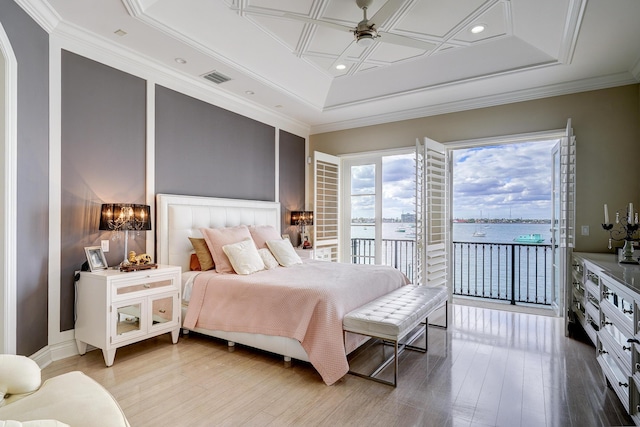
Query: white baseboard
[54, 352]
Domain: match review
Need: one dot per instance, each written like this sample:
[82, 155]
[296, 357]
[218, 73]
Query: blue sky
[507, 181]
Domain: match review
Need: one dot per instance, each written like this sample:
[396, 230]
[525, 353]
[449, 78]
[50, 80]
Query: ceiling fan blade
[385, 12]
[318, 22]
[404, 41]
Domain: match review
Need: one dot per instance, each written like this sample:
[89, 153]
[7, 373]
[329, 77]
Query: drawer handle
[606, 294]
[605, 323]
[630, 311]
[637, 366]
[635, 340]
[621, 384]
[625, 348]
[603, 352]
[146, 285]
[162, 311]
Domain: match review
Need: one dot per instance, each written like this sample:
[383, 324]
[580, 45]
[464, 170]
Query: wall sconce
[125, 217]
[301, 219]
[626, 228]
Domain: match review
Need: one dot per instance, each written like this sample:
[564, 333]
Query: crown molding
[138, 11]
[78, 40]
[577, 86]
[41, 12]
[572, 25]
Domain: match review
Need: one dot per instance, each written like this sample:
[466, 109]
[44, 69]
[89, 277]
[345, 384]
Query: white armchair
[72, 399]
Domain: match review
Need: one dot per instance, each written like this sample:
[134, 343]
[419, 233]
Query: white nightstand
[115, 309]
[305, 253]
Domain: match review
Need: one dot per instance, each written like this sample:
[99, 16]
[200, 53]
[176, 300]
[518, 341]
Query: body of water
[462, 232]
[478, 270]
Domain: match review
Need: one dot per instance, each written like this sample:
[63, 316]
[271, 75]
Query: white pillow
[244, 257]
[267, 257]
[284, 252]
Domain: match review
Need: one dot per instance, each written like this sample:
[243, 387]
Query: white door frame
[8, 193]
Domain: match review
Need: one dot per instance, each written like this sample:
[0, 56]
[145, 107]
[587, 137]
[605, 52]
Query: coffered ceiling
[282, 54]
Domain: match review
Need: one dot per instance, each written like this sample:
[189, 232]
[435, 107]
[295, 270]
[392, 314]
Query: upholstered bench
[392, 317]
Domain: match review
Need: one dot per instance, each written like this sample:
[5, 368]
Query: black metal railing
[513, 272]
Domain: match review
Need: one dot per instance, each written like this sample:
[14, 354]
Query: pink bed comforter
[306, 302]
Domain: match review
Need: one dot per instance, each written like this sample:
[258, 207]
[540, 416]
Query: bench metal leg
[398, 348]
[446, 317]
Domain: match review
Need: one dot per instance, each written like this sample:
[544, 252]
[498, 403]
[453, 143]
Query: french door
[563, 220]
[379, 209]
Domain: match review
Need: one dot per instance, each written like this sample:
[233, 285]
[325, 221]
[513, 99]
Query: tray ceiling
[276, 55]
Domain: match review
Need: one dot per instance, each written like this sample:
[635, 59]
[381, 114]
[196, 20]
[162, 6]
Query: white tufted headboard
[181, 217]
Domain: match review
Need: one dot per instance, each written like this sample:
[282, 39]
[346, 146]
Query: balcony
[513, 272]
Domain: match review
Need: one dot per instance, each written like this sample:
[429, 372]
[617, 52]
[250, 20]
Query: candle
[631, 213]
[606, 214]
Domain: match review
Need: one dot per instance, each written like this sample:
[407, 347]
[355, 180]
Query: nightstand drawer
[144, 285]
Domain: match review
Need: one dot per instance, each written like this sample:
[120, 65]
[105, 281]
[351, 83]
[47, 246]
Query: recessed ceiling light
[120, 33]
[478, 28]
[340, 67]
[181, 60]
[249, 92]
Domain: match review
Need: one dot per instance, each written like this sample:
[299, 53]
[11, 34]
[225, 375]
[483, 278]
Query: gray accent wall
[291, 185]
[206, 150]
[30, 44]
[200, 149]
[103, 161]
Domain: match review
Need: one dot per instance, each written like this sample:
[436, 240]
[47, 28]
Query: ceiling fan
[366, 31]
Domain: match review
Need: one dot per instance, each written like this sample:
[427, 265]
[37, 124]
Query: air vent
[216, 77]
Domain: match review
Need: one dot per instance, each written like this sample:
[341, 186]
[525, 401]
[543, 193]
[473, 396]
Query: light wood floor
[489, 368]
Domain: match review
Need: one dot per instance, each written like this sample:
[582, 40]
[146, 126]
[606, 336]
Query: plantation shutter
[432, 231]
[567, 189]
[326, 204]
[566, 225]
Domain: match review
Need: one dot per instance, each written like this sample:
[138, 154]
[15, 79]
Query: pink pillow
[262, 233]
[216, 238]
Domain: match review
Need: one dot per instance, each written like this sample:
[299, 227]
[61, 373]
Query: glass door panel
[162, 310]
[363, 213]
[398, 212]
[128, 319]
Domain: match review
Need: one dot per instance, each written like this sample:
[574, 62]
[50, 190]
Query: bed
[310, 298]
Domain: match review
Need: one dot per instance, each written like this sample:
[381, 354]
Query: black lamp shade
[301, 217]
[125, 216]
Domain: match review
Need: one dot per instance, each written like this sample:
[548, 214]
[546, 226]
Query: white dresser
[606, 302]
[115, 308]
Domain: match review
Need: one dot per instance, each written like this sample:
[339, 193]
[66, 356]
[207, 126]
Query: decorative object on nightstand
[95, 258]
[625, 229]
[302, 219]
[115, 309]
[125, 217]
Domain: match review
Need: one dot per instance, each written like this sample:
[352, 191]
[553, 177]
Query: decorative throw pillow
[267, 257]
[244, 257]
[194, 264]
[284, 252]
[202, 252]
[216, 238]
[261, 233]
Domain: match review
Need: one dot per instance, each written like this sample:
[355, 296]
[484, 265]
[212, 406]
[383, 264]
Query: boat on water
[479, 233]
[529, 238]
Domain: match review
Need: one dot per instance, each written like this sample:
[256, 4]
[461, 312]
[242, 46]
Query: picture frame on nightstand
[96, 259]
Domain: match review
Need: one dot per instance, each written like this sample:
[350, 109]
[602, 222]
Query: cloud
[512, 180]
[505, 181]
